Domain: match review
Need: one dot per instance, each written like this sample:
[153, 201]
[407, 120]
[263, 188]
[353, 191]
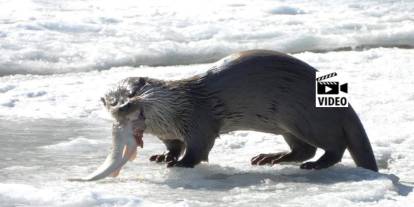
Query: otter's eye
[130, 93]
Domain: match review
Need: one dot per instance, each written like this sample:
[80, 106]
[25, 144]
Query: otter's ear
[103, 101]
[142, 81]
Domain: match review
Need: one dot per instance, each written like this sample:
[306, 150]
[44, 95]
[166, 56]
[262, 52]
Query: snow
[48, 37]
[227, 180]
[287, 10]
[59, 57]
[80, 144]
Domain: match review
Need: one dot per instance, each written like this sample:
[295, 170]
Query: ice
[6, 88]
[37, 176]
[79, 144]
[286, 10]
[23, 194]
[59, 57]
[48, 37]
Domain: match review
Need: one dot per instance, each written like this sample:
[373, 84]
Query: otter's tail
[358, 143]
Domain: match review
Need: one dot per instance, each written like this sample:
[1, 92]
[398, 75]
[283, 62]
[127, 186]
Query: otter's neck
[166, 109]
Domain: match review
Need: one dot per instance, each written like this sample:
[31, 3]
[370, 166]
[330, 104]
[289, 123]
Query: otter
[257, 90]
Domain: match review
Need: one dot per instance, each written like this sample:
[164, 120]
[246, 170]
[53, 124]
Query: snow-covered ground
[47, 36]
[57, 58]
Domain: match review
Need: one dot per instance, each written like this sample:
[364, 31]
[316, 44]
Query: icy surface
[53, 127]
[44, 37]
[36, 175]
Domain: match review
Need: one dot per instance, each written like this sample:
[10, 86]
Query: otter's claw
[166, 157]
[180, 163]
[264, 159]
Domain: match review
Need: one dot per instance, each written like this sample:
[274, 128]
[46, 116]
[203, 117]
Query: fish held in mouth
[126, 137]
[127, 130]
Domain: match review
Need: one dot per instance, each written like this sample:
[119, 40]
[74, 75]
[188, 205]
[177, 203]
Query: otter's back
[257, 85]
[255, 75]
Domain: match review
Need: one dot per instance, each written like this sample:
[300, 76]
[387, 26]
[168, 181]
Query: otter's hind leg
[174, 150]
[300, 151]
[328, 159]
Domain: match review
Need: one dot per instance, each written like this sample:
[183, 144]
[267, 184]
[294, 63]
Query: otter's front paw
[166, 157]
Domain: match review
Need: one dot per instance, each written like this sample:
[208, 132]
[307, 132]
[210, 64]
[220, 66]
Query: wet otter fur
[256, 90]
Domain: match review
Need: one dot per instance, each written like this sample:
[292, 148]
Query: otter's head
[125, 101]
[149, 103]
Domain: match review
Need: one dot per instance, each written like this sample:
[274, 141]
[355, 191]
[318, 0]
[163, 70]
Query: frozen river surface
[57, 58]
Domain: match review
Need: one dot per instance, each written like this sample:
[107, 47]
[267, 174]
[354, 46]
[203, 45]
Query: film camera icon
[330, 87]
